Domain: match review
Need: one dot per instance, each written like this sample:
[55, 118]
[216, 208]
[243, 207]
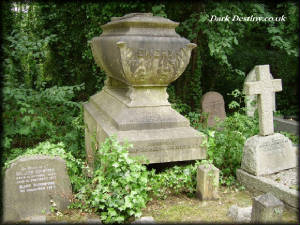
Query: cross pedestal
[264, 87]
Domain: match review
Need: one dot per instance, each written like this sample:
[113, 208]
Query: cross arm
[277, 85]
[252, 88]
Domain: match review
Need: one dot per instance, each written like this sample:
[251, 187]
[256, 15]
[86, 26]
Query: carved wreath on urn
[160, 66]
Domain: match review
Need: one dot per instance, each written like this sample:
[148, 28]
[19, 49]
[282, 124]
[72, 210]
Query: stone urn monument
[141, 54]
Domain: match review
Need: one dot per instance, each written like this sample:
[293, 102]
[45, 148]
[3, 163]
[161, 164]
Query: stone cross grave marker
[251, 100]
[31, 183]
[264, 87]
[213, 104]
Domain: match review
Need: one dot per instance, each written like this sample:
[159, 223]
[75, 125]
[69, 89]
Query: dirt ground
[182, 209]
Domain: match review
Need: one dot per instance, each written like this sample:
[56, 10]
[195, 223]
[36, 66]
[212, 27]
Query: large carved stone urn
[141, 54]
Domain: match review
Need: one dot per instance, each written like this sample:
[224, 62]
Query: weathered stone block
[141, 54]
[262, 184]
[268, 154]
[266, 209]
[207, 182]
[239, 214]
[30, 183]
[157, 132]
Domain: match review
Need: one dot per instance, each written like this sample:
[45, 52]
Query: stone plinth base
[156, 130]
[260, 185]
[268, 154]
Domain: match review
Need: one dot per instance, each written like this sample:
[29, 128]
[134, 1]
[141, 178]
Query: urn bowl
[140, 49]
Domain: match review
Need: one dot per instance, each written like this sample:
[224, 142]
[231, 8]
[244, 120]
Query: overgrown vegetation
[49, 70]
[32, 116]
[119, 187]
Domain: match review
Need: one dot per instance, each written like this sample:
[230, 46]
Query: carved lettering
[36, 178]
[141, 65]
[275, 145]
[167, 146]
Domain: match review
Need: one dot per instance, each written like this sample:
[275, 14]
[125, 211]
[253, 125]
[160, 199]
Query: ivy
[119, 187]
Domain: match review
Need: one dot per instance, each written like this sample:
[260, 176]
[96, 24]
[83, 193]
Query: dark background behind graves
[46, 43]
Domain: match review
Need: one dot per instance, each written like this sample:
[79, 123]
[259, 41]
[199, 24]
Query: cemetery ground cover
[225, 144]
[180, 208]
[48, 74]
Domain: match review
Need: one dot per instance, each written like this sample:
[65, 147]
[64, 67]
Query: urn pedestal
[141, 54]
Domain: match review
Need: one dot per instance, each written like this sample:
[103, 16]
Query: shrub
[119, 188]
[31, 116]
[174, 180]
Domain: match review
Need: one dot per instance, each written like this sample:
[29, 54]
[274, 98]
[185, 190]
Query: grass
[180, 208]
[183, 209]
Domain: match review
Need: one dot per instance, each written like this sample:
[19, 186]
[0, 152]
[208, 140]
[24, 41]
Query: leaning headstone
[30, 183]
[212, 104]
[240, 214]
[251, 100]
[266, 209]
[207, 182]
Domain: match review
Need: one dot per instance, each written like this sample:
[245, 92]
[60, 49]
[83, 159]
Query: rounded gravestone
[212, 104]
[31, 182]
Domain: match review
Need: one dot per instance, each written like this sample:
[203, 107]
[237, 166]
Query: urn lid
[146, 20]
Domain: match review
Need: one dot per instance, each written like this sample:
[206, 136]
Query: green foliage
[31, 116]
[159, 10]
[292, 137]
[119, 188]
[50, 47]
[26, 56]
[225, 146]
[284, 35]
[174, 180]
[74, 166]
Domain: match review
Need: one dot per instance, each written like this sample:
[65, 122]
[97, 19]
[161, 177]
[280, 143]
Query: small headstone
[207, 182]
[264, 155]
[251, 100]
[212, 104]
[30, 183]
[266, 209]
[239, 214]
[264, 87]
